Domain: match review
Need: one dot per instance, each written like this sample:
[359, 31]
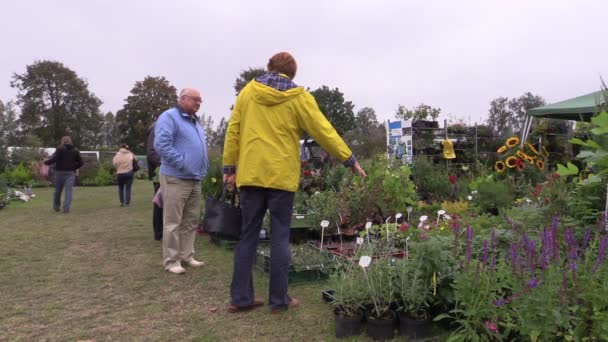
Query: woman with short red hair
[262, 156]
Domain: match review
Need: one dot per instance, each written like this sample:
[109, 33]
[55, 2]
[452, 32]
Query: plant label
[364, 261]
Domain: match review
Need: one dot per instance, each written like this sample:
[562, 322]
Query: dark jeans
[125, 180]
[63, 179]
[157, 217]
[254, 203]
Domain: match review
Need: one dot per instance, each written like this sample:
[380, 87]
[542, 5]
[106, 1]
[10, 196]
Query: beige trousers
[181, 215]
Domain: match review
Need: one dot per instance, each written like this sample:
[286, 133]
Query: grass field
[95, 274]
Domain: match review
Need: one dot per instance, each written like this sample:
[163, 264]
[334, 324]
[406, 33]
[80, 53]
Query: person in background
[67, 161]
[262, 156]
[123, 162]
[153, 163]
[180, 141]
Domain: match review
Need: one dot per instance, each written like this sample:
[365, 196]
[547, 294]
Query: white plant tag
[364, 261]
[359, 241]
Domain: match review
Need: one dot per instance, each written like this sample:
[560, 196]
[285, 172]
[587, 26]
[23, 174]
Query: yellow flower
[522, 155]
[213, 180]
[502, 149]
[540, 164]
[499, 166]
[531, 159]
[531, 148]
[511, 162]
[512, 141]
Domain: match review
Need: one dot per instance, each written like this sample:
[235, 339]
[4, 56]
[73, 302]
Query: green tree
[246, 76]
[54, 102]
[148, 99]
[8, 131]
[520, 106]
[506, 116]
[421, 112]
[368, 137]
[338, 111]
[499, 117]
[109, 137]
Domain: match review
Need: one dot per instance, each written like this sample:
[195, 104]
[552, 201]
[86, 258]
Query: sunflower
[532, 148]
[499, 166]
[531, 160]
[511, 162]
[512, 141]
[502, 149]
[540, 164]
[521, 154]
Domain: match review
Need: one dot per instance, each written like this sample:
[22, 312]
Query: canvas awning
[580, 108]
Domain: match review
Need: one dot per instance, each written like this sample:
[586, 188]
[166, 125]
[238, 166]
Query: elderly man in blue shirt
[180, 141]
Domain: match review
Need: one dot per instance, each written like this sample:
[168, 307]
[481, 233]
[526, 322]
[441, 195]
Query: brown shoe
[292, 304]
[256, 304]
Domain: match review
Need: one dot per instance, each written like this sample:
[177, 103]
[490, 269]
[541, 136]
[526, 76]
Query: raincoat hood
[268, 96]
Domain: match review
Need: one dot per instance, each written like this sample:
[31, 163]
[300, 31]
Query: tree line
[52, 101]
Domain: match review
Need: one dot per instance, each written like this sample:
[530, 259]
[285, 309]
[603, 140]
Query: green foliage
[350, 290]
[397, 190]
[432, 182]
[20, 175]
[493, 194]
[338, 111]
[8, 131]
[421, 112]
[324, 205]
[148, 99]
[100, 176]
[54, 102]
[413, 287]
[246, 76]
[213, 183]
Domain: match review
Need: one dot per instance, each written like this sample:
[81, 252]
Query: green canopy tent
[580, 108]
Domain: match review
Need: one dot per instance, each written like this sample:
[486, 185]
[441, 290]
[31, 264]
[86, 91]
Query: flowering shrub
[544, 288]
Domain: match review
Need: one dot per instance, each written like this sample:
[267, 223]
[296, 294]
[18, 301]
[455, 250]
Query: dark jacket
[152, 156]
[66, 158]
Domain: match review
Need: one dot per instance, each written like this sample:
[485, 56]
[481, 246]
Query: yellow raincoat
[263, 136]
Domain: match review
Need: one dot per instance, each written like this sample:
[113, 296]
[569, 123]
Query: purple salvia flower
[586, 240]
[508, 219]
[531, 256]
[484, 254]
[554, 243]
[514, 258]
[601, 254]
[534, 282]
[469, 243]
[572, 248]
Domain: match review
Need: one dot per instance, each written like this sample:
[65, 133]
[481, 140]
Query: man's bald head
[190, 100]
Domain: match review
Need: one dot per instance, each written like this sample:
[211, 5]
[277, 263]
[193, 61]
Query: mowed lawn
[95, 274]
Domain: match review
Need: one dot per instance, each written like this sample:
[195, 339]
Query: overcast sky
[456, 55]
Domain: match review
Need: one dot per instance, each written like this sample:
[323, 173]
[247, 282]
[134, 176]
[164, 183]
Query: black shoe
[56, 209]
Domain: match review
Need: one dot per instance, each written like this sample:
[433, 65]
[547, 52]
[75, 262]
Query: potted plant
[380, 291]
[413, 291]
[348, 292]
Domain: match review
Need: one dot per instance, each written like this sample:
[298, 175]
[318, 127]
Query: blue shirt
[180, 141]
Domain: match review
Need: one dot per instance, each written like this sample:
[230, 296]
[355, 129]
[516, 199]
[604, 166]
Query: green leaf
[585, 154]
[592, 179]
[568, 170]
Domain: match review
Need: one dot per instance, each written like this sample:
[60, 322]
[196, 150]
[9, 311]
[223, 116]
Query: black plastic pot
[327, 295]
[413, 329]
[347, 326]
[381, 329]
